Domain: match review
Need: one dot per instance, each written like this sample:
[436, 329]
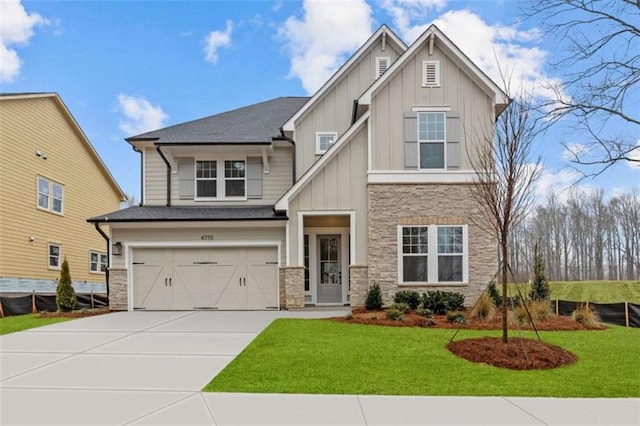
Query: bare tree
[131, 201]
[505, 173]
[598, 41]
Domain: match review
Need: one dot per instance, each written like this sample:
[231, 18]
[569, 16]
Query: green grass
[25, 322]
[589, 291]
[320, 356]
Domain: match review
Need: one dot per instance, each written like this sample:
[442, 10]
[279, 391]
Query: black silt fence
[626, 314]
[32, 303]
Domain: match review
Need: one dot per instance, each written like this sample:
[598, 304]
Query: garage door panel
[224, 289]
[188, 281]
[261, 292]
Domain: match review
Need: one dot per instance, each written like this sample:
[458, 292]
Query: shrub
[440, 302]
[427, 313]
[485, 309]
[65, 294]
[374, 297]
[349, 316]
[519, 315]
[495, 295]
[402, 307]
[540, 309]
[540, 285]
[374, 317]
[586, 316]
[456, 317]
[395, 314]
[430, 322]
[410, 297]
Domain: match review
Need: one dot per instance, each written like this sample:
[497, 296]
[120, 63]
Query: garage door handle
[244, 281]
[169, 282]
[240, 281]
[165, 282]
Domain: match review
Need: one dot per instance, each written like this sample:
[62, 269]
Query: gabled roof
[188, 214]
[76, 127]
[454, 52]
[383, 31]
[257, 123]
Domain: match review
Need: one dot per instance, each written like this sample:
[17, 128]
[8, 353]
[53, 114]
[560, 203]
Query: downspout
[106, 237]
[293, 144]
[141, 176]
[168, 174]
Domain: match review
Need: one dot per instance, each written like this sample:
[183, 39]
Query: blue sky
[125, 67]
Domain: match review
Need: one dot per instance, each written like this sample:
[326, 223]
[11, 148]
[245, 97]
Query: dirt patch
[517, 354]
[74, 314]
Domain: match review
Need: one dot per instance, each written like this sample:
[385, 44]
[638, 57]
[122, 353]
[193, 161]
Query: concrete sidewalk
[149, 367]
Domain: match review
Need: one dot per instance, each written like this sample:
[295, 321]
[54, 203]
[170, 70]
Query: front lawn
[320, 356]
[596, 291]
[25, 322]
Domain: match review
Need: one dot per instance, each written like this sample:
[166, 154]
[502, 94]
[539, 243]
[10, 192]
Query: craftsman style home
[51, 180]
[300, 201]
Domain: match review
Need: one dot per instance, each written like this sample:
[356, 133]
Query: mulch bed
[74, 314]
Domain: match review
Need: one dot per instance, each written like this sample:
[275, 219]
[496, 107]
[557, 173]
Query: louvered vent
[382, 64]
[431, 73]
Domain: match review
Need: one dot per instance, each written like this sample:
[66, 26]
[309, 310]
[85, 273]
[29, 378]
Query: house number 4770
[207, 237]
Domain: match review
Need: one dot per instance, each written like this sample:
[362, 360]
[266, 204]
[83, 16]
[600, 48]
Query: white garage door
[205, 278]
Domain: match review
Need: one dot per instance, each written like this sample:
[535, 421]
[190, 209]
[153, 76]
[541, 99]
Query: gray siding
[333, 112]
[155, 178]
[340, 185]
[403, 92]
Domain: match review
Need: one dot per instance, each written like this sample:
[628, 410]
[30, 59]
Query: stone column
[118, 300]
[292, 287]
[359, 284]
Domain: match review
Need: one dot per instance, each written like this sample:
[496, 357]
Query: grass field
[320, 356]
[25, 322]
[591, 291]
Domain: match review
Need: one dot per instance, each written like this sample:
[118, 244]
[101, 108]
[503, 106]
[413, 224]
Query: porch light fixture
[116, 249]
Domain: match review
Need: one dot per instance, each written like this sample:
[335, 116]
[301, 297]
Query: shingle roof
[186, 214]
[254, 123]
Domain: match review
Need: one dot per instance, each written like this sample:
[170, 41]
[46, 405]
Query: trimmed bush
[441, 302]
[586, 316]
[65, 294]
[395, 314]
[374, 297]
[427, 313]
[456, 317]
[402, 307]
[410, 297]
[485, 309]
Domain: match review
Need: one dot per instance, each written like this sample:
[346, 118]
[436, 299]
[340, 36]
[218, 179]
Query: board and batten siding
[340, 185]
[404, 91]
[333, 112]
[274, 184]
[40, 123]
[221, 233]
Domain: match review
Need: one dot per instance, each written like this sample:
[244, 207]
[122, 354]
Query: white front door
[329, 269]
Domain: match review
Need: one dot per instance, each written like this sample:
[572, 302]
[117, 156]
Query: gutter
[106, 274]
[168, 174]
[284, 137]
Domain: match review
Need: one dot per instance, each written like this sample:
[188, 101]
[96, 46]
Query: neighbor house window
[430, 73]
[324, 141]
[234, 178]
[97, 262]
[432, 254]
[206, 179]
[54, 256]
[49, 195]
[431, 140]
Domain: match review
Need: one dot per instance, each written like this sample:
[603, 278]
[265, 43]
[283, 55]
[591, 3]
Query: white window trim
[425, 83]
[433, 257]
[220, 177]
[100, 254]
[321, 134]
[444, 140]
[50, 198]
[379, 60]
[54, 268]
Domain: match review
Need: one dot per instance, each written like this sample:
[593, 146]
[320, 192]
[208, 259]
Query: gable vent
[430, 73]
[382, 64]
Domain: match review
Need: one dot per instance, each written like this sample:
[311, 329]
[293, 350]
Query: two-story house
[307, 201]
[51, 180]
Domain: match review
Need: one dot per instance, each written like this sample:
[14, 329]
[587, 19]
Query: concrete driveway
[149, 367]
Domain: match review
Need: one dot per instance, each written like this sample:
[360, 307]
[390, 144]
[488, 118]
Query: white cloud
[319, 42]
[635, 155]
[140, 115]
[16, 28]
[216, 40]
[574, 151]
[562, 183]
[405, 12]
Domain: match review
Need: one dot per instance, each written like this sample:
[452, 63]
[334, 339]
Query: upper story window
[324, 141]
[382, 64]
[221, 179]
[431, 140]
[50, 195]
[430, 73]
[54, 256]
[97, 262]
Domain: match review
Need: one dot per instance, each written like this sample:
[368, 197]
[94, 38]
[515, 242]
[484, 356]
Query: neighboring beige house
[307, 201]
[51, 180]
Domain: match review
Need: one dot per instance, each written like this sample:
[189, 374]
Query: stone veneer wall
[118, 300]
[391, 205]
[359, 284]
[292, 287]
